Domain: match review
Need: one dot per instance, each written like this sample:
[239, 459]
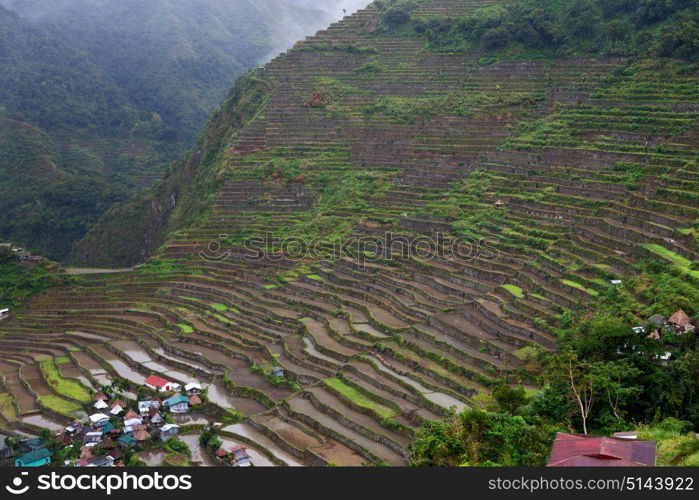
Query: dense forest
[558, 28]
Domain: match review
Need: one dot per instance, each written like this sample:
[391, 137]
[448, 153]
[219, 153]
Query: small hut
[141, 434]
[100, 396]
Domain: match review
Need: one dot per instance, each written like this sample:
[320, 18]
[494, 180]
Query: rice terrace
[517, 184]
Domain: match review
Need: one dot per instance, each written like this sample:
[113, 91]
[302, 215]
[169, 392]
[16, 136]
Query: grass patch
[314, 277]
[223, 319]
[185, 328]
[68, 387]
[74, 349]
[675, 441]
[59, 405]
[358, 398]
[269, 287]
[62, 360]
[220, 307]
[7, 407]
[514, 290]
[682, 262]
[191, 299]
[574, 284]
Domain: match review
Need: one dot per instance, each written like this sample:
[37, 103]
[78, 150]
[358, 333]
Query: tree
[565, 368]
[510, 399]
[396, 17]
[614, 379]
[7, 255]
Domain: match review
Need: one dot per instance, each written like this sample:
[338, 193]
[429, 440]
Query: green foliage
[174, 445]
[480, 438]
[458, 103]
[17, 282]
[209, 439]
[563, 27]
[676, 442]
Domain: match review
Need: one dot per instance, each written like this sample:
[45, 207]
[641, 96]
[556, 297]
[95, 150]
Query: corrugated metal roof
[596, 451]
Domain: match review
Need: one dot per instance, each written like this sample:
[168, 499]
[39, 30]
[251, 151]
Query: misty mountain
[177, 58]
[118, 89]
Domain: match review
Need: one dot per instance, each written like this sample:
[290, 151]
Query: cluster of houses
[23, 254]
[114, 426]
[657, 325]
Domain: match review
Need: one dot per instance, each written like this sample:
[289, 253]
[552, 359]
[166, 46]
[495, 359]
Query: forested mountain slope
[122, 88]
[565, 163]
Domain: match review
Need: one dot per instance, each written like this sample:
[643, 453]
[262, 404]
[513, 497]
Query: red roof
[156, 381]
[577, 450]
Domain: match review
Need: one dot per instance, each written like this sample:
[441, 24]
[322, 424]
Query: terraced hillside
[556, 177]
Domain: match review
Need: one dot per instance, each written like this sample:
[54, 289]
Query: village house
[99, 419]
[192, 388]
[126, 440]
[132, 421]
[35, 458]
[657, 321]
[107, 461]
[100, 396]
[100, 404]
[155, 417]
[85, 453]
[117, 407]
[278, 371]
[110, 429]
[74, 428]
[240, 457]
[177, 404]
[160, 384]
[4, 313]
[144, 407]
[681, 321]
[168, 431]
[66, 439]
[583, 450]
[116, 455]
[141, 434]
[195, 400]
[92, 438]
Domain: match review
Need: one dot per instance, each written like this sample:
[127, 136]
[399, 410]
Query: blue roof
[126, 439]
[176, 400]
[34, 456]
